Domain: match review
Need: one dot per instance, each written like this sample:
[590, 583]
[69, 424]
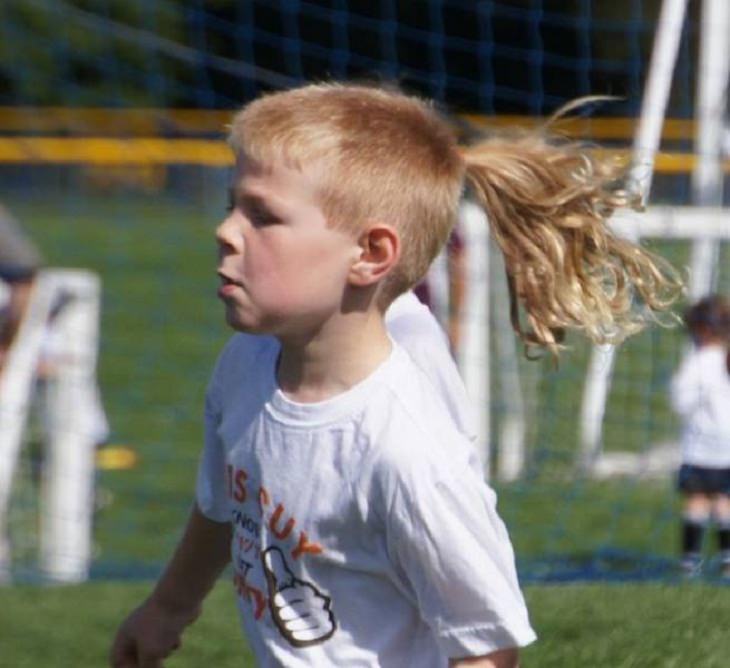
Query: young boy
[334, 477]
[700, 394]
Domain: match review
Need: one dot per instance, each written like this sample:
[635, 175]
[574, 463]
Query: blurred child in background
[700, 394]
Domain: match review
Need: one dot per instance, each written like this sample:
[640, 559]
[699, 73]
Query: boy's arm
[504, 658]
[152, 631]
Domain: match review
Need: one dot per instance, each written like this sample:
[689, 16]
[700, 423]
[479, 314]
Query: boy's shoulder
[241, 355]
[411, 452]
[244, 348]
[407, 419]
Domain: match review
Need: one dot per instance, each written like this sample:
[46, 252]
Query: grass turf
[617, 626]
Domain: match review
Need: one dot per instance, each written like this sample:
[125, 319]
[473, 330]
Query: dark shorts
[698, 479]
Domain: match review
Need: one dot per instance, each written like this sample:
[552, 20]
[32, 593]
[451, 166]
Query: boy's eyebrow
[236, 194]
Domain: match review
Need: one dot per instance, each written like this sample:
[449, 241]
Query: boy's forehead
[273, 185]
[246, 165]
[249, 172]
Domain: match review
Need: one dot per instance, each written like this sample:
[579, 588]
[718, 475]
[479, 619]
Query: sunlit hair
[382, 155]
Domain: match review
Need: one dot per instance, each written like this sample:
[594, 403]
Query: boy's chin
[244, 328]
[249, 325]
[241, 324]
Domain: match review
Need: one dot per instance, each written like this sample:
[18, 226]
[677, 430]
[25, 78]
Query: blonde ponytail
[547, 206]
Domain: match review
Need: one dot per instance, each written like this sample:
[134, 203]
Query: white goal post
[66, 302]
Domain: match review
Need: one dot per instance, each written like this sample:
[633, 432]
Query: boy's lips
[225, 278]
[228, 285]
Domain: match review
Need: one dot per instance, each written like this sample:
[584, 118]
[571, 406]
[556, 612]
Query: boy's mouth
[228, 286]
[227, 280]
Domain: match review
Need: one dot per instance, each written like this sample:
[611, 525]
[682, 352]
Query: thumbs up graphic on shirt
[301, 613]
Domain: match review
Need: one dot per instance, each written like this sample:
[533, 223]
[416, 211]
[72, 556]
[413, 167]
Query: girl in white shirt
[700, 393]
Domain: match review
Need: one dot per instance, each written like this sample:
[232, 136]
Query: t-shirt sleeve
[210, 485]
[453, 556]
[236, 358]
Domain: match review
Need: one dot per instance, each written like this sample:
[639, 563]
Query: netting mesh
[525, 57]
[141, 214]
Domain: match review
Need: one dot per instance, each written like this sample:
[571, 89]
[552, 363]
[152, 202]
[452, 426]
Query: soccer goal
[56, 349]
[703, 228]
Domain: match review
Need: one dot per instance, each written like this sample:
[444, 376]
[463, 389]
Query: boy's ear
[379, 253]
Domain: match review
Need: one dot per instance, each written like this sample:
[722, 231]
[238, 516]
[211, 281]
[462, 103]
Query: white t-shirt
[700, 393]
[363, 532]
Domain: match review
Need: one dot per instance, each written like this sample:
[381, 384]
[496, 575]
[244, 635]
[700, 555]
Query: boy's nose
[225, 237]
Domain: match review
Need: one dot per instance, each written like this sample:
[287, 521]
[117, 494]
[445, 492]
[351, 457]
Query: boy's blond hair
[380, 155]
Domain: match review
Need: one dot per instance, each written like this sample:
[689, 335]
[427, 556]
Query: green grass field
[600, 626]
[161, 332]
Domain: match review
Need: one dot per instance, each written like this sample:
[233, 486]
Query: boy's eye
[258, 217]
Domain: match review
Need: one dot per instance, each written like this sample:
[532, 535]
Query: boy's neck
[343, 353]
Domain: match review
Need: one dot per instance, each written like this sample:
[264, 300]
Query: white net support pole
[593, 404]
[711, 103]
[68, 482]
[16, 387]
[646, 144]
[67, 303]
[656, 94]
[474, 350]
[511, 430]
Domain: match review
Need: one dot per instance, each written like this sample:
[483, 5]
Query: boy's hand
[503, 658]
[148, 635]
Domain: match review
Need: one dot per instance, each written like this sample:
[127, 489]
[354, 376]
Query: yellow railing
[208, 152]
[114, 151]
[61, 135]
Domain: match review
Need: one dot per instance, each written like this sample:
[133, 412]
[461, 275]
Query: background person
[700, 394]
